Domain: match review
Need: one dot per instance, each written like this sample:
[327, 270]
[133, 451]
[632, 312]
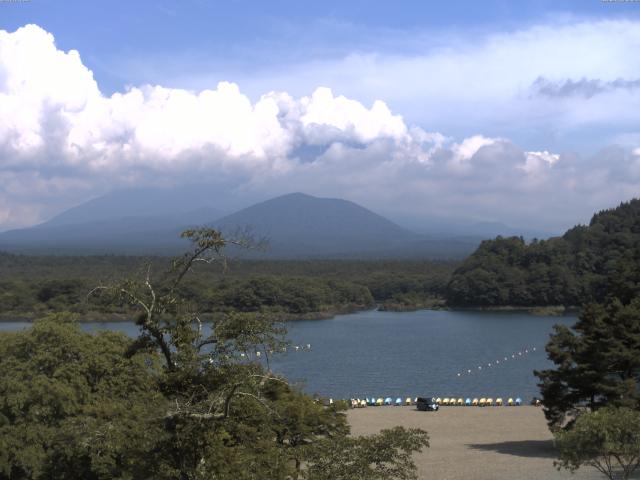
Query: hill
[584, 264]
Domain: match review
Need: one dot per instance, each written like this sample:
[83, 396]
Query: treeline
[585, 264]
[32, 286]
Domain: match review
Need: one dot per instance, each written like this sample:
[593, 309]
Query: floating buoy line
[498, 362]
[293, 348]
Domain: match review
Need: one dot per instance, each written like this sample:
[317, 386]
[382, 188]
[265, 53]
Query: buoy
[468, 371]
[479, 367]
[510, 402]
[458, 374]
[407, 401]
[467, 402]
[474, 402]
[498, 402]
[297, 348]
[308, 346]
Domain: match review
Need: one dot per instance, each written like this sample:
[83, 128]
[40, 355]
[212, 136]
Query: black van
[427, 404]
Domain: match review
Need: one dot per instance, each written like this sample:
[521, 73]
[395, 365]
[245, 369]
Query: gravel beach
[471, 443]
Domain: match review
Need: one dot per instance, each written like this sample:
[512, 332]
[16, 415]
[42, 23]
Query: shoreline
[100, 317]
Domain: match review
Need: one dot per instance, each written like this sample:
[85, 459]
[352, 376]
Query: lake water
[382, 354]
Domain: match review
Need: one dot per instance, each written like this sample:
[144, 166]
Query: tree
[225, 415]
[377, 457]
[597, 362]
[607, 440]
[72, 405]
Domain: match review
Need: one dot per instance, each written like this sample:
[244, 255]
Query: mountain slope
[302, 225]
[145, 203]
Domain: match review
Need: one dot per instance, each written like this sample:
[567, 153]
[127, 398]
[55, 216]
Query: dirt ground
[472, 443]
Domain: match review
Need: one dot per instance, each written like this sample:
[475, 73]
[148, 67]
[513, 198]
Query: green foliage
[607, 440]
[579, 267]
[597, 362]
[179, 402]
[31, 286]
[72, 405]
[377, 457]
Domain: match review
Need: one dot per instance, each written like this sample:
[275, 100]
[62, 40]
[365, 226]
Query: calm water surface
[394, 354]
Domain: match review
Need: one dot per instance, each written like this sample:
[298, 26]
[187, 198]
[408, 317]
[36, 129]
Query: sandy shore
[471, 443]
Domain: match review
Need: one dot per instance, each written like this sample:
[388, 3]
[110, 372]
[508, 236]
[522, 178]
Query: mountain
[296, 225]
[131, 235]
[150, 202]
[302, 225]
[586, 263]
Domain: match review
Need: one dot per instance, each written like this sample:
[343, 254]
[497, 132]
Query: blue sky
[545, 95]
[231, 32]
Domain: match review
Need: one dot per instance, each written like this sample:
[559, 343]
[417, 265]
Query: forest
[33, 286]
[581, 266]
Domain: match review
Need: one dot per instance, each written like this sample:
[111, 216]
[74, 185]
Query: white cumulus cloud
[62, 141]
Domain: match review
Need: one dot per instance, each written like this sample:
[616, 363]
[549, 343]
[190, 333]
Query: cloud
[63, 141]
[586, 88]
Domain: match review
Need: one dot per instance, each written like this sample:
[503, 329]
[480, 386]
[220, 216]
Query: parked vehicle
[427, 404]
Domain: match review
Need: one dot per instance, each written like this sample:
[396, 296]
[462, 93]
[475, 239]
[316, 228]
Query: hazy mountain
[133, 235]
[302, 226]
[469, 228]
[147, 202]
[296, 225]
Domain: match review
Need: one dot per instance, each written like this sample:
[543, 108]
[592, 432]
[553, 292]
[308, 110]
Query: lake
[400, 354]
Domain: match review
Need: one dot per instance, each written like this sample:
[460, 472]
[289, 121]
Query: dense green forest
[581, 266]
[32, 286]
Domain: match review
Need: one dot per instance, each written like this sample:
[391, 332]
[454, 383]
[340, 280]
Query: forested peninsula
[583, 265]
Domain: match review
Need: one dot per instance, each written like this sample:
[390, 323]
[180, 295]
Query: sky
[526, 113]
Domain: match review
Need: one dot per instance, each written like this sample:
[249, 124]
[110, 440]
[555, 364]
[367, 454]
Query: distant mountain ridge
[297, 225]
